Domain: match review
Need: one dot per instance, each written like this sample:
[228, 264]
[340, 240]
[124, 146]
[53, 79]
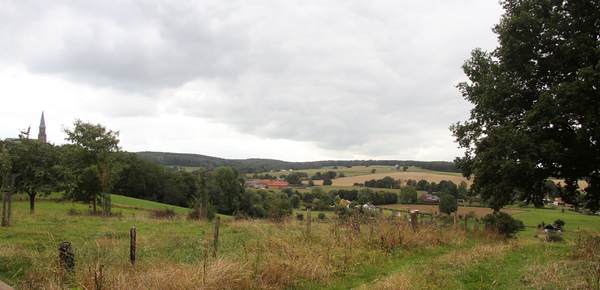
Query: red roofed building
[266, 183]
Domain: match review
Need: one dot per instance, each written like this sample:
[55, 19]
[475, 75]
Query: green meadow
[379, 253]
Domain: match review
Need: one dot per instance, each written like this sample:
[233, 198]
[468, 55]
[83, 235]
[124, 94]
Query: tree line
[254, 165]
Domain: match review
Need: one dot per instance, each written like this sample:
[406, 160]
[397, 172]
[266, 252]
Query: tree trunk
[94, 202]
[32, 202]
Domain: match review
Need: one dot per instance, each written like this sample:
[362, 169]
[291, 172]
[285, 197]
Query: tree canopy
[38, 166]
[536, 105]
[92, 160]
[448, 204]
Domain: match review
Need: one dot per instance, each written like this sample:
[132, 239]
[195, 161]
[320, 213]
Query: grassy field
[261, 254]
[120, 203]
[462, 210]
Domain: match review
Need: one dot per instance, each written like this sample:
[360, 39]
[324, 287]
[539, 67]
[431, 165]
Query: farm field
[261, 254]
[429, 176]
[359, 174]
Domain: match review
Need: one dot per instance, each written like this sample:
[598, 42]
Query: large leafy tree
[448, 204]
[225, 189]
[93, 160]
[536, 104]
[38, 166]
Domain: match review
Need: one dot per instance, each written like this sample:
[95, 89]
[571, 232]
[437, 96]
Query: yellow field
[431, 177]
[462, 210]
[404, 176]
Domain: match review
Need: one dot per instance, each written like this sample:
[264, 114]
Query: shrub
[300, 217]
[559, 223]
[505, 223]
[163, 214]
[240, 216]
[321, 216]
[554, 238]
[73, 212]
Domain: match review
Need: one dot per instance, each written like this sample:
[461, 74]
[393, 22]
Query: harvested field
[404, 176]
[462, 210]
[431, 177]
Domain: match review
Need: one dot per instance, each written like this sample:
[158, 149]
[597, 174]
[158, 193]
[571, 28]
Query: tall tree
[448, 204]
[93, 161]
[228, 180]
[536, 104]
[408, 194]
[5, 171]
[38, 166]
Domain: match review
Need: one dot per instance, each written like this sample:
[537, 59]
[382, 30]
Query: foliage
[504, 223]
[386, 182]
[408, 194]
[295, 201]
[252, 204]
[280, 208]
[294, 178]
[321, 216]
[92, 160]
[348, 194]
[555, 238]
[448, 204]
[536, 105]
[559, 223]
[38, 166]
[227, 182]
[66, 256]
[255, 165]
[150, 181]
[164, 214]
[377, 198]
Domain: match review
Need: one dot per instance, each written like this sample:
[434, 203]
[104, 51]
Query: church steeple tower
[42, 134]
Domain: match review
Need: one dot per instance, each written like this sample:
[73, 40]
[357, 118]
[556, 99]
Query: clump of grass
[164, 214]
[555, 238]
[74, 212]
[552, 275]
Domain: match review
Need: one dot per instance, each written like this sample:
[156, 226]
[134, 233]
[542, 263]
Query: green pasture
[119, 202]
[180, 241]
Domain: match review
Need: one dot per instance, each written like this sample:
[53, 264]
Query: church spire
[42, 134]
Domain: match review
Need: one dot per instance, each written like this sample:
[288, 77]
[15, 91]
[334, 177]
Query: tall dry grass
[433, 273]
[258, 255]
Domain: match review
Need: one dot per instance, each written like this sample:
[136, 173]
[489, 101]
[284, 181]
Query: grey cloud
[376, 77]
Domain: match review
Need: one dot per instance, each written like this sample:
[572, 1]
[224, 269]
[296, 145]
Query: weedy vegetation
[372, 252]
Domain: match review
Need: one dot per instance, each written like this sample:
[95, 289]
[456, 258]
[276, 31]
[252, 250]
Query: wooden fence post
[309, 217]
[132, 244]
[66, 257]
[356, 220]
[455, 219]
[5, 198]
[216, 244]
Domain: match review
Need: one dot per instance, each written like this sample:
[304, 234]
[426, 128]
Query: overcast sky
[289, 80]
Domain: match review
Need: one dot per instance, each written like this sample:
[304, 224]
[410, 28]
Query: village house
[429, 198]
[267, 183]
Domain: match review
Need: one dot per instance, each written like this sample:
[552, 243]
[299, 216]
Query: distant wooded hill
[255, 165]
